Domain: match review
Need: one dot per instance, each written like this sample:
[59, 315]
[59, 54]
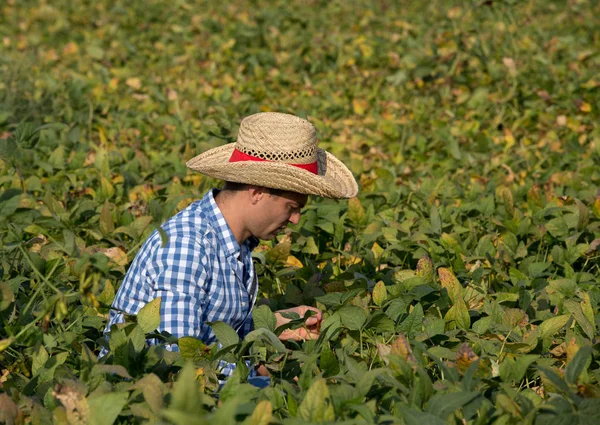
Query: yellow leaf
[149, 316]
[451, 283]
[70, 49]
[585, 107]
[117, 255]
[401, 347]
[102, 135]
[379, 293]
[51, 55]
[262, 414]
[293, 262]
[5, 343]
[317, 405]
[572, 349]
[510, 64]
[465, 356]
[107, 224]
[359, 106]
[509, 138]
[596, 208]
[184, 203]
[229, 81]
[377, 251]
[107, 188]
[228, 44]
[356, 212]
[366, 50]
[454, 13]
[279, 252]
[134, 82]
[353, 259]
[587, 308]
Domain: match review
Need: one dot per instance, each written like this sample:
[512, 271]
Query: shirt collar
[224, 233]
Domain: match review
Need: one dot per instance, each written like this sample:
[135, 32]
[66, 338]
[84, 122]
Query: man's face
[273, 213]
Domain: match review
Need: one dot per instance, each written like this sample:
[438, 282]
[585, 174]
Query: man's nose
[295, 217]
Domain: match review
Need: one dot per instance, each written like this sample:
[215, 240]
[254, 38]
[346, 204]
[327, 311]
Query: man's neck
[229, 205]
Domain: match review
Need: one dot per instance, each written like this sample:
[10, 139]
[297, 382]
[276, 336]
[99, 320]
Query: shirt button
[243, 304]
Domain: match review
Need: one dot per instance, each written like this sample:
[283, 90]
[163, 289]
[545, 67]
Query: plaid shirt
[202, 275]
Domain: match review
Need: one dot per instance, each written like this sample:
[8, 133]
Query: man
[205, 271]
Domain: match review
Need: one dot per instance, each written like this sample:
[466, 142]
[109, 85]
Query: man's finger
[298, 334]
[316, 310]
[312, 321]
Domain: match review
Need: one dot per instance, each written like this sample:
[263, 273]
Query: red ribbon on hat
[238, 156]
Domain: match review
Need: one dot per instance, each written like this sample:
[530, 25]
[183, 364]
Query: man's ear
[256, 193]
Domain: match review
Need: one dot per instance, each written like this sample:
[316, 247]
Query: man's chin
[266, 237]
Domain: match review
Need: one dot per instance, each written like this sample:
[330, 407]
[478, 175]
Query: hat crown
[278, 137]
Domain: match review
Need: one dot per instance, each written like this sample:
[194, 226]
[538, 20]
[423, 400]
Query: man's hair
[237, 187]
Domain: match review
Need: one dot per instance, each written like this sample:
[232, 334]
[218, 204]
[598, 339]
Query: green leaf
[436, 221]
[267, 336]
[575, 309]
[513, 370]
[263, 317]
[583, 215]
[105, 408]
[106, 297]
[566, 287]
[153, 389]
[39, 359]
[9, 202]
[352, 317]
[417, 417]
[482, 325]
[589, 409]
[316, 406]
[442, 405]
[332, 299]
[458, 316]
[192, 348]
[226, 335]
[413, 323]
[310, 247]
[329, 363]
[576, 366]
[149, 316]
[108, 369]
[7, 296]
[9, 149]
[557, 227]
[395, 309]
[551, 326]
[554, 378]
[137, 339]
[186, 396]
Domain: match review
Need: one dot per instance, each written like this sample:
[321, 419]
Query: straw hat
[278, 151]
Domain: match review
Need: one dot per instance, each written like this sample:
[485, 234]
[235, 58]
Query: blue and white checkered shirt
[202, 275]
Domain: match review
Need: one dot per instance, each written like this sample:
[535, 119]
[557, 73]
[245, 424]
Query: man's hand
[311, 327]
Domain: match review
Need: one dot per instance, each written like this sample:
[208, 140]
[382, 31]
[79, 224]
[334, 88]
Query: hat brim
[334, 180]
